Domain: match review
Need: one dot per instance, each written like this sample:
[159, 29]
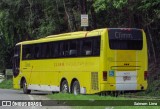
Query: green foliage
[119, 3]
[6, 84]
[24, 20]
[66, 96]
[100, 5]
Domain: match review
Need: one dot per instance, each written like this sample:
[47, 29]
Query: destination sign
[121, 35]
[125, 34]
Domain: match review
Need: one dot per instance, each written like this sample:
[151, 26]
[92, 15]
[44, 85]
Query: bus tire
[25, 90]
[76, 88]
[64, 87]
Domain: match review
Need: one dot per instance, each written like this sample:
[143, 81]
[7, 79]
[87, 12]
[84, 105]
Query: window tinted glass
[37, 51]
[16, 60]
[87, 47]
[96, 46]
[27, 52]
[126, 44]
[125, 39]
[45, 48]
[73, 47]
[55, 49]
[63, 49]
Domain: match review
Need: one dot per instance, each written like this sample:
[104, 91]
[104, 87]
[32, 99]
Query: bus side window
[47, 50]
[61, 53]
[64, 49]
[55, 49]
[87, 47]
[35, 51]
[73, 48]
[96, 46]
[27, 52]
[44, 50]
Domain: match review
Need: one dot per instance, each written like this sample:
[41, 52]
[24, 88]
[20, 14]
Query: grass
[66, 96]
[6, 84]
[90, 101]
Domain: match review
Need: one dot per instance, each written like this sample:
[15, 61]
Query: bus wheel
[25, 90]
[64, 86]
[76, 88]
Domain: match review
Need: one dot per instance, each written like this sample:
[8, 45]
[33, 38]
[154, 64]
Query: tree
[31, 19]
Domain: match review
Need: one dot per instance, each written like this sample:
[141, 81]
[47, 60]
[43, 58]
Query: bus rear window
[123, 39]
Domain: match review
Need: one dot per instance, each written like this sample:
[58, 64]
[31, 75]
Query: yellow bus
[86, 62]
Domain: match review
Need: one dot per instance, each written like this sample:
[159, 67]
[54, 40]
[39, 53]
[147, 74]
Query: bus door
[125, 46]
[27, 57]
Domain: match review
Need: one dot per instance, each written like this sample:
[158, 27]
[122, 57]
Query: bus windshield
[123, 39]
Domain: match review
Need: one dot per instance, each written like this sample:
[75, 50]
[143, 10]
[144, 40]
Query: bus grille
[94, 80]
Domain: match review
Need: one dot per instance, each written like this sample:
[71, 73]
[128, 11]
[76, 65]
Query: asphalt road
[7, 94]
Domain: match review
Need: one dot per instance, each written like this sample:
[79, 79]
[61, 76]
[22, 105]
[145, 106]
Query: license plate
[126, 78]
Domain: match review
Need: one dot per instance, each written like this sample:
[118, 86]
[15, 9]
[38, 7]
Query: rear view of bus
[125, 60]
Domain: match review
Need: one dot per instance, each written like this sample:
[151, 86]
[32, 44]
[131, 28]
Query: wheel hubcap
[24, 86]
[65, 88]
[76, 90]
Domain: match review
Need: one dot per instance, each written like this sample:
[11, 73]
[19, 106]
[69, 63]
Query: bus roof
[71, 35]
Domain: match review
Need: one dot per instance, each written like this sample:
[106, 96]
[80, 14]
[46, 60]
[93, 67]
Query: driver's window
[17, 55]
[16, 60]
